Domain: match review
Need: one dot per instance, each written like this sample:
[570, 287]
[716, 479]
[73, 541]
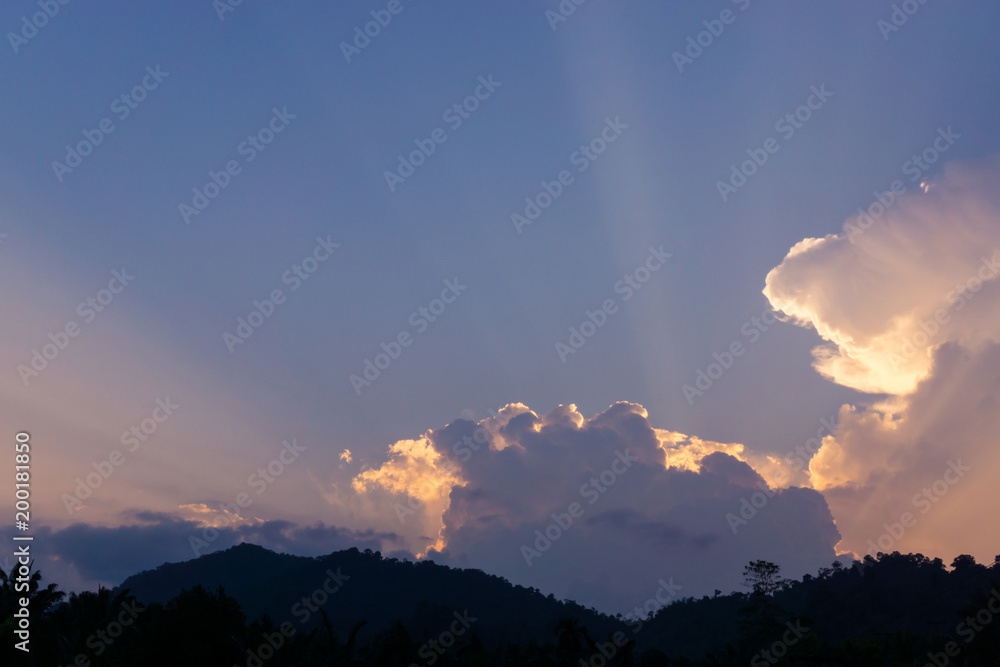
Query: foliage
[890, 610]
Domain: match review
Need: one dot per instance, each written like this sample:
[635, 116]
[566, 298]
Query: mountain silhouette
[894, 595]
[423, 596]
[251, 606]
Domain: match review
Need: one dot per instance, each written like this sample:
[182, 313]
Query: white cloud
[910, 309]
[651, 503]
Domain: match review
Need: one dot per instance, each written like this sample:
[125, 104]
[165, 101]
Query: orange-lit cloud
[885, 299]
[686, 452]
[106, 380]
[415, 470]
[205, 515]
[475, 504]
[909, 309]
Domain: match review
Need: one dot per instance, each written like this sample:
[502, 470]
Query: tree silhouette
[574, 642]
[762, 577]
[41, 599]
[963, 562]
[40, 604]
[895, 610]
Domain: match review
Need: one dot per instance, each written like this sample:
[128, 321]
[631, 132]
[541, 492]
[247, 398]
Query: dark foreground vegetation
[251, 607]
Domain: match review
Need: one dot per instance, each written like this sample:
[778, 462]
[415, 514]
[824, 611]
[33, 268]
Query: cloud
[909, 309]
[925, 273]
[84, 555]
[418, 470]
[887, 460]
[622, 503]
[104, 387]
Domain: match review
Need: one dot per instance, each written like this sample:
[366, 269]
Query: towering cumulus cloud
[597, 510]
[909, 308]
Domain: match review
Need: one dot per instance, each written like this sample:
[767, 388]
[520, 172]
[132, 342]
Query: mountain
[423, 596]
[902, 605]
[908, 597]
[250, 606]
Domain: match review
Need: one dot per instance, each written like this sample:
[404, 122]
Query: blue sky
[323, 176]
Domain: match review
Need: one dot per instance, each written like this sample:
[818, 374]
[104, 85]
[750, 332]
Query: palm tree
[13, 587]
[573, 641]
[352, 638]
[41, 600]
[77, 619]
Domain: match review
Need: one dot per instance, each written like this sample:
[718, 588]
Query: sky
[583, 295]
